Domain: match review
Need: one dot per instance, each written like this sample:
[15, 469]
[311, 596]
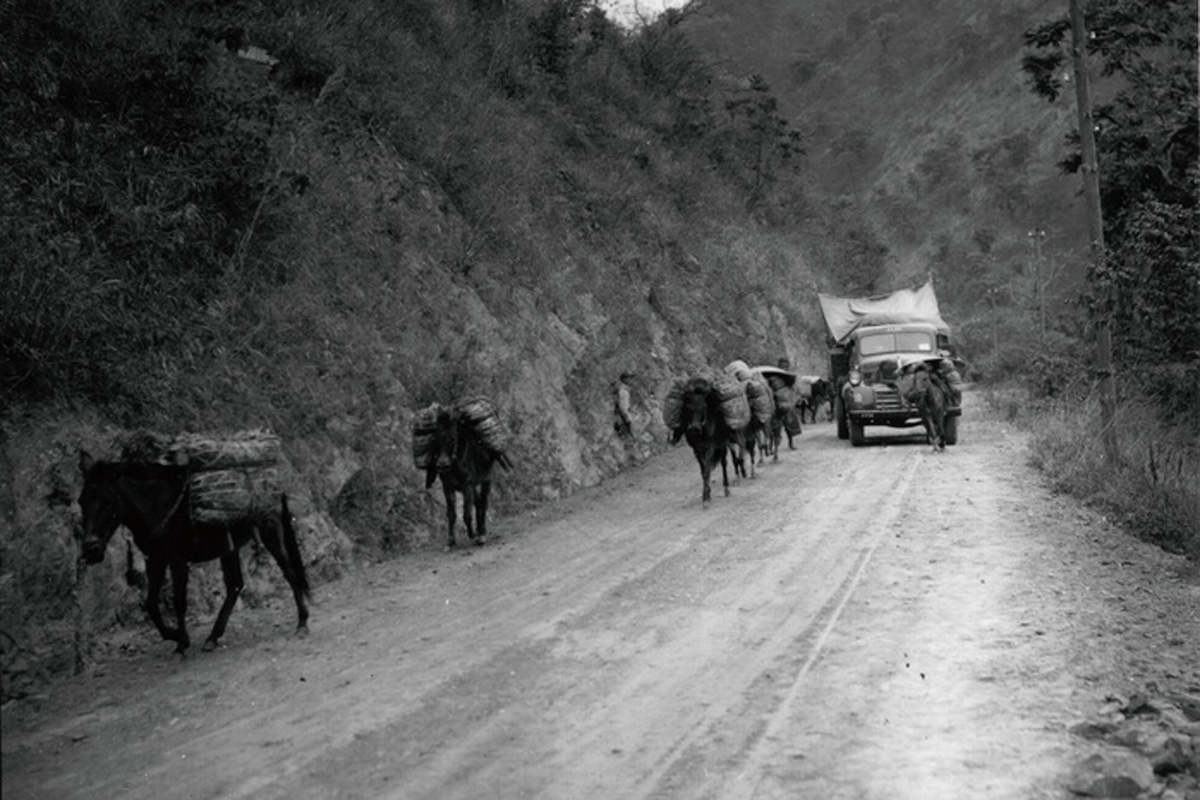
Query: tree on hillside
[761, 142]
[1147, 145]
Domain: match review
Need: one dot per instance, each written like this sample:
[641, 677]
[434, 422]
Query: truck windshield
[899, 342]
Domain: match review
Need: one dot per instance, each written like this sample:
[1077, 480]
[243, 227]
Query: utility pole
[1037, 236]
[1095, 219]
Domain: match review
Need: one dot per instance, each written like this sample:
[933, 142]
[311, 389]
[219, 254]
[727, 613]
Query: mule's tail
[503, 461]
[292, 546]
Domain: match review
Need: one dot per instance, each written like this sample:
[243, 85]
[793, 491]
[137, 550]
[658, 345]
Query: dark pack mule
[706, 431]
[151, 501]
[463, 463]
[919, 387]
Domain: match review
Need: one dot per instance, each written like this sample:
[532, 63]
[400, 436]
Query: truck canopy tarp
[843, 315]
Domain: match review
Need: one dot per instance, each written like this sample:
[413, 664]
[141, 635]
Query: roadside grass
[1152, 489]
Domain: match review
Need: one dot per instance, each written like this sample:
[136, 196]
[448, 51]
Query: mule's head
[100, 502]
[696, 407]
[448, 438]
[913, 380]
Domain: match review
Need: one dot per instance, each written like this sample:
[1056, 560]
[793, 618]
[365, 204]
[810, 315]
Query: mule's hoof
[302, 632]
[209, 645]
[477, 541]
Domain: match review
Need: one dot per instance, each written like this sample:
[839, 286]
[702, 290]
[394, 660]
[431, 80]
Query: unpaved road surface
[882, 622]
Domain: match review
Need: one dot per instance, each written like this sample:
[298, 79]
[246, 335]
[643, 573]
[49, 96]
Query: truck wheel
[857, 436]
[951, 430]
[839, 413]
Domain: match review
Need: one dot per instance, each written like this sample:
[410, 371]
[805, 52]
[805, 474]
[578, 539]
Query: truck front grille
[887, 399]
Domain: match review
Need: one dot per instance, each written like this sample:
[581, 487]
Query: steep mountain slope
[919, 116]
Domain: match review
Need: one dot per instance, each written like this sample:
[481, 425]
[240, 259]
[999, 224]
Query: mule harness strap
[174, 508]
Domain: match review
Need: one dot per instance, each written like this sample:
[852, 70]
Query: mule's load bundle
[424, 437]
[739, 370]
[762, 403]
[804, 385]
[672, 406]
[230, 476]
[734, 405]
[228, 495]
[203, 451]
[484, 418]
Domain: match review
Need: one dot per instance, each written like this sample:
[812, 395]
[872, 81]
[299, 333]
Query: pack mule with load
[711, 412]
[459, 445]
[189, 500]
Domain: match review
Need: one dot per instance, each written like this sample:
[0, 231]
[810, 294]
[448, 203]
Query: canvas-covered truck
[870, 339]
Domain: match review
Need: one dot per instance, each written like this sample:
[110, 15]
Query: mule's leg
[738, 455]
[292, 574]
[451, 514]
[468, 494]
[930, 433]
[231, 571]
[156, 573]
[179, 582]
[481, 507]
[724, 474]
[705, 478]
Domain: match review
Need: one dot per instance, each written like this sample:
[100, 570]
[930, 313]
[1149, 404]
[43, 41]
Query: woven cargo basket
[424, 437]
[762, 403]
[734, 405]
[739, 370]
[484, 418]
[231, 476]
[229, 495]
[672, 406]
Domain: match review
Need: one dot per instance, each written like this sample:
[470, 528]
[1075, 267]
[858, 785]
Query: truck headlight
[855, 377]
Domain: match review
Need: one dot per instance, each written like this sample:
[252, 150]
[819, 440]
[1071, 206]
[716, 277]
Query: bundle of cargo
[424, 437]
[201, 451]
[484, 418]
[805, 384]
[738, 369]
[230, 476]
[234, 493]
[761, 399]
[672, 406]
[734, 405]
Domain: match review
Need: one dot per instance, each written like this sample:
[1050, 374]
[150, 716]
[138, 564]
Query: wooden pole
[1095, 219]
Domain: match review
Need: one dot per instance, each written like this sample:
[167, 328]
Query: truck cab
[865, 368]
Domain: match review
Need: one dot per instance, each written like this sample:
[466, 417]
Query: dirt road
[881, 622]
